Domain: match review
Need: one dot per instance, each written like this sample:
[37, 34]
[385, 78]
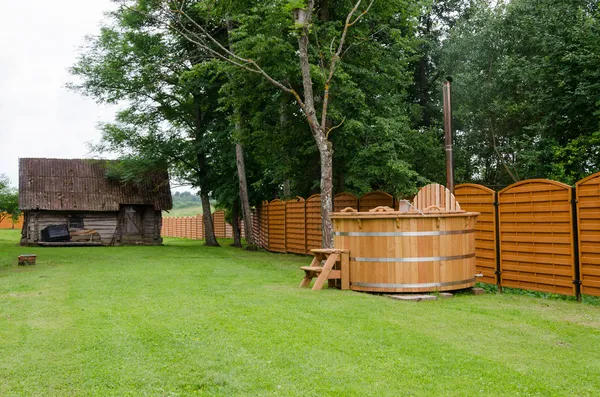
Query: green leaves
[526, 82]
[9, 200]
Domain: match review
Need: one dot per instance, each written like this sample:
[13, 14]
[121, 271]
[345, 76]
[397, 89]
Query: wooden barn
[74, 195]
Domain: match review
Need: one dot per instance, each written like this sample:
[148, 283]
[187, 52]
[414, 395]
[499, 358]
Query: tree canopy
[300, 85]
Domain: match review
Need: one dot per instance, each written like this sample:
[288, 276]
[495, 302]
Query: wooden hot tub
[394, 251]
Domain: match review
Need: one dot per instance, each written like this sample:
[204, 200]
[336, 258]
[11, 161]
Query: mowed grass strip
[184, 319]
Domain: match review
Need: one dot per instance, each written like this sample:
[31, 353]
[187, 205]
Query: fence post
[575, 223]
[497, 241]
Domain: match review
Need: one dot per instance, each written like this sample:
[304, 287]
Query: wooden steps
[332, 257]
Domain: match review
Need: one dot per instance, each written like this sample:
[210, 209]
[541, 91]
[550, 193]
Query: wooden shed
[77, 194]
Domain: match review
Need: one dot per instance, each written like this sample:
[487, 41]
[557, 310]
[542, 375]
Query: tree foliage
[9, 200]
[527, 90]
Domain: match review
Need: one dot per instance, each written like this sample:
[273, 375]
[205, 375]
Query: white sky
[39, 41]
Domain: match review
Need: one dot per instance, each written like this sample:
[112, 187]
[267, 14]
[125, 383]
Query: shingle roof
[81, 185]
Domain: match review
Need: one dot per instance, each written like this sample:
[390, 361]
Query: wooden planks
[219, 224]
[374, 200]
[8, 223]
[277, 226]
[536, 236]
[588, 215]
[295, 227]
[436, 195]
[314, 233]
[478, 198]
[264, 225]
[344, 200]
[408, 252]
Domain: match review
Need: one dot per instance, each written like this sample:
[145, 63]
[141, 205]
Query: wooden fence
[193, 227]
[7, 223]
[537, 234]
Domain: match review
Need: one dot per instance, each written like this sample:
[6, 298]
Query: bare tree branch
[336, 57]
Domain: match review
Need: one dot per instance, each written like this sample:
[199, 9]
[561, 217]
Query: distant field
[190, 211]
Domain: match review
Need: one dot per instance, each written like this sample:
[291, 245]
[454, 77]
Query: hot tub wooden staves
[408, 252]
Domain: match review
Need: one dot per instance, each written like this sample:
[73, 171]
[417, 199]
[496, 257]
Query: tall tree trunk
[246, 213]
[327, 193]
[209, 229]
[235, 224]
[318, 131]
[241, 168]
[283, 120]
[287, 191]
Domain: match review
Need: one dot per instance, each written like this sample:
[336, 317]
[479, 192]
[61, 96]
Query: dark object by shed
[56, 233]
[28, 259]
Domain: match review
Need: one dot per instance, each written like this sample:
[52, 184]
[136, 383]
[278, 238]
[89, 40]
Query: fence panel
[7, 222]
[295, 226]
[255, 224]
[219, 224]
[374, 200]
[344, 200]
[536, 236]
[314, 231]
[264, 225]
[277, 226]
[588, 215]
[477, 198]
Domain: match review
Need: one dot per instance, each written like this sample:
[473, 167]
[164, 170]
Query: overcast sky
[39, 41]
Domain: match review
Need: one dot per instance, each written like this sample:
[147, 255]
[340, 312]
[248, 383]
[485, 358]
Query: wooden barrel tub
[408, 251]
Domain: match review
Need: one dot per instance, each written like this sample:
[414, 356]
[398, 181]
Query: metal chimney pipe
[448, 134]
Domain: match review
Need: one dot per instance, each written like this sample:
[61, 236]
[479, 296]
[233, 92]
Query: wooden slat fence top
[473, 186]
[588, 179]
[296, 199]
[532, 184]
[346, 194]
[588, 211]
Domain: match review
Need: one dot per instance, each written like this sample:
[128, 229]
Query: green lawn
[189, 211]
[184, 319]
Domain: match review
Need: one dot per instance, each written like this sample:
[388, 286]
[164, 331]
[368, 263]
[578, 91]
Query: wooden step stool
[327, 271]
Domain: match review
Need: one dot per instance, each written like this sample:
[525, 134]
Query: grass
[184, 319]
[189, 211]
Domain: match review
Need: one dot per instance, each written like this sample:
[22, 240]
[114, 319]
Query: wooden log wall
[105, 223]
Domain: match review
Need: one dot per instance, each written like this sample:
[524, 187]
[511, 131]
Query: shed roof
[82, 185]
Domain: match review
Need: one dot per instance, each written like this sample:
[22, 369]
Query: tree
[169, 117]
[527, 92]
[318, 66]
[9, 200]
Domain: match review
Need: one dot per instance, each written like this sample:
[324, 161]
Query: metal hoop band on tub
[403, 234]
[416, 259]
[425, 285]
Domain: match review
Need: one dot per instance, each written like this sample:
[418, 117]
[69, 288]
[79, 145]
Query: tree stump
[25, 260]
